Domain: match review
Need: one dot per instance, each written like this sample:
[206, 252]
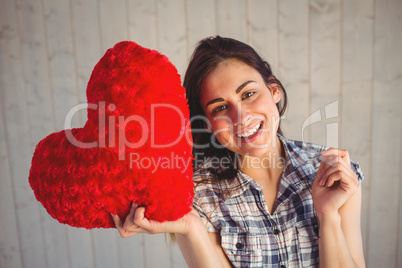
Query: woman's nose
[240, 115]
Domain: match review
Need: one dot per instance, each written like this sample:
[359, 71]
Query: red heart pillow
[135, 146]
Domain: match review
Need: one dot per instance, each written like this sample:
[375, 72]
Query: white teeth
[251, 132]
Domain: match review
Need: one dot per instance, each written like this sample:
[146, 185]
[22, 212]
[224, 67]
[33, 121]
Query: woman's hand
[136, 223]
[192, 236]
[335, 182]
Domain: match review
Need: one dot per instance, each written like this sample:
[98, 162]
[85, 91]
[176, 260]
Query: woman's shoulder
[207, 192]
[308, 153]
[203, 177]
[207, 186]
[302, 148]
[301, 154]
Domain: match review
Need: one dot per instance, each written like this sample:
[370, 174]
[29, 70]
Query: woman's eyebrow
[237, 92]
[243, 85]
[213, 101]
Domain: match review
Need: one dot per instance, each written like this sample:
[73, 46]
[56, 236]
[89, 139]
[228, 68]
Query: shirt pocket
[242, 249]
[307, 236]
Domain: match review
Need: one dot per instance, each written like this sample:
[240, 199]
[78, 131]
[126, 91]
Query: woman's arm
[195, 244]
[340, 242]
[337, 202]
[199, 255]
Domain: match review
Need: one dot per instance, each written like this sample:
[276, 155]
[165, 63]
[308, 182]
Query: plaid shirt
[250, 235]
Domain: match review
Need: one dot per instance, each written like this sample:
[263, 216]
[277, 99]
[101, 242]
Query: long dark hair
[206, 57]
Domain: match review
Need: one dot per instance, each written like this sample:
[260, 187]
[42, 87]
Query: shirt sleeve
[205, 200]
[356, 168]
[205, 219]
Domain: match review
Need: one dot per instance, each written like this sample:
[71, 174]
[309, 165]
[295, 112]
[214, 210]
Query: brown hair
[206, 57]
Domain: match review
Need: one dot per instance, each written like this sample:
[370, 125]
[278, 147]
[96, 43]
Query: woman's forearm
[197, 248]
[333, 247]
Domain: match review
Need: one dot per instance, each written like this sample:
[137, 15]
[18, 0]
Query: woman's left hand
[335, 182]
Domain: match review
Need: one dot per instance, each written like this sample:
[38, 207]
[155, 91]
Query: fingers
[139, 216]
[331, 169]
[347, 181]
[119, 225]
[142, 222]
[128, 228]
[333, 157]
[129, 222]
[117, 221]
[343, 154]
[136, 222]
[335, 166]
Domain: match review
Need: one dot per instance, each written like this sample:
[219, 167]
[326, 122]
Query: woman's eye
[247, 94]
[219, 108]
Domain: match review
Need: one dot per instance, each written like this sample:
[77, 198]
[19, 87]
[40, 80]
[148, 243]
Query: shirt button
[276, 231]
[239, 245]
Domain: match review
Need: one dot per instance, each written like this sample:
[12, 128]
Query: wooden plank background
[339, 60]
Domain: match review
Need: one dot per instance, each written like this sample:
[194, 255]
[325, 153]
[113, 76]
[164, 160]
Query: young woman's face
[240, 108]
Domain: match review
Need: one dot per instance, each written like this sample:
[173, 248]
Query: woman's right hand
[137, 223]
[195, 244]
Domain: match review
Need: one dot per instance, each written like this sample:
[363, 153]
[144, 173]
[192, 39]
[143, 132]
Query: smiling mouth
[250, 132]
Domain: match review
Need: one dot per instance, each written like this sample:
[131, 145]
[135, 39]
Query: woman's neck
[268, 166]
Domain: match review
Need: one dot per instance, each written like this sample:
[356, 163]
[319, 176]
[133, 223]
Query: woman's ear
[274, 86]
[276, 92]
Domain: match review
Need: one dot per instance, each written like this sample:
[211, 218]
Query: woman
[265, 201]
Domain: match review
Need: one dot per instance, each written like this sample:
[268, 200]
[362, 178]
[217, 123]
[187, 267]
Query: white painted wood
[325, 67]
[262, 29]
[35, 67]
[201, 22]
[10, 251]
[10, 245]
[131, 251]
[142, 23]
[356, 109]
[87, 45]
[55, 242]
[177, 259]
[294, 61]
[61, 57]
[172, 32]
[399, 256]
[231, 19]
[105, 248]
[112, 22]
[80, 248]
[29, 118]
[386, 141]
[157, 252]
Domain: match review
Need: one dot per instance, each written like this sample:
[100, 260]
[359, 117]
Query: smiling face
[241, 108]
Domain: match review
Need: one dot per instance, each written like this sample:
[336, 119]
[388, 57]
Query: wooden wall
[340, 61]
